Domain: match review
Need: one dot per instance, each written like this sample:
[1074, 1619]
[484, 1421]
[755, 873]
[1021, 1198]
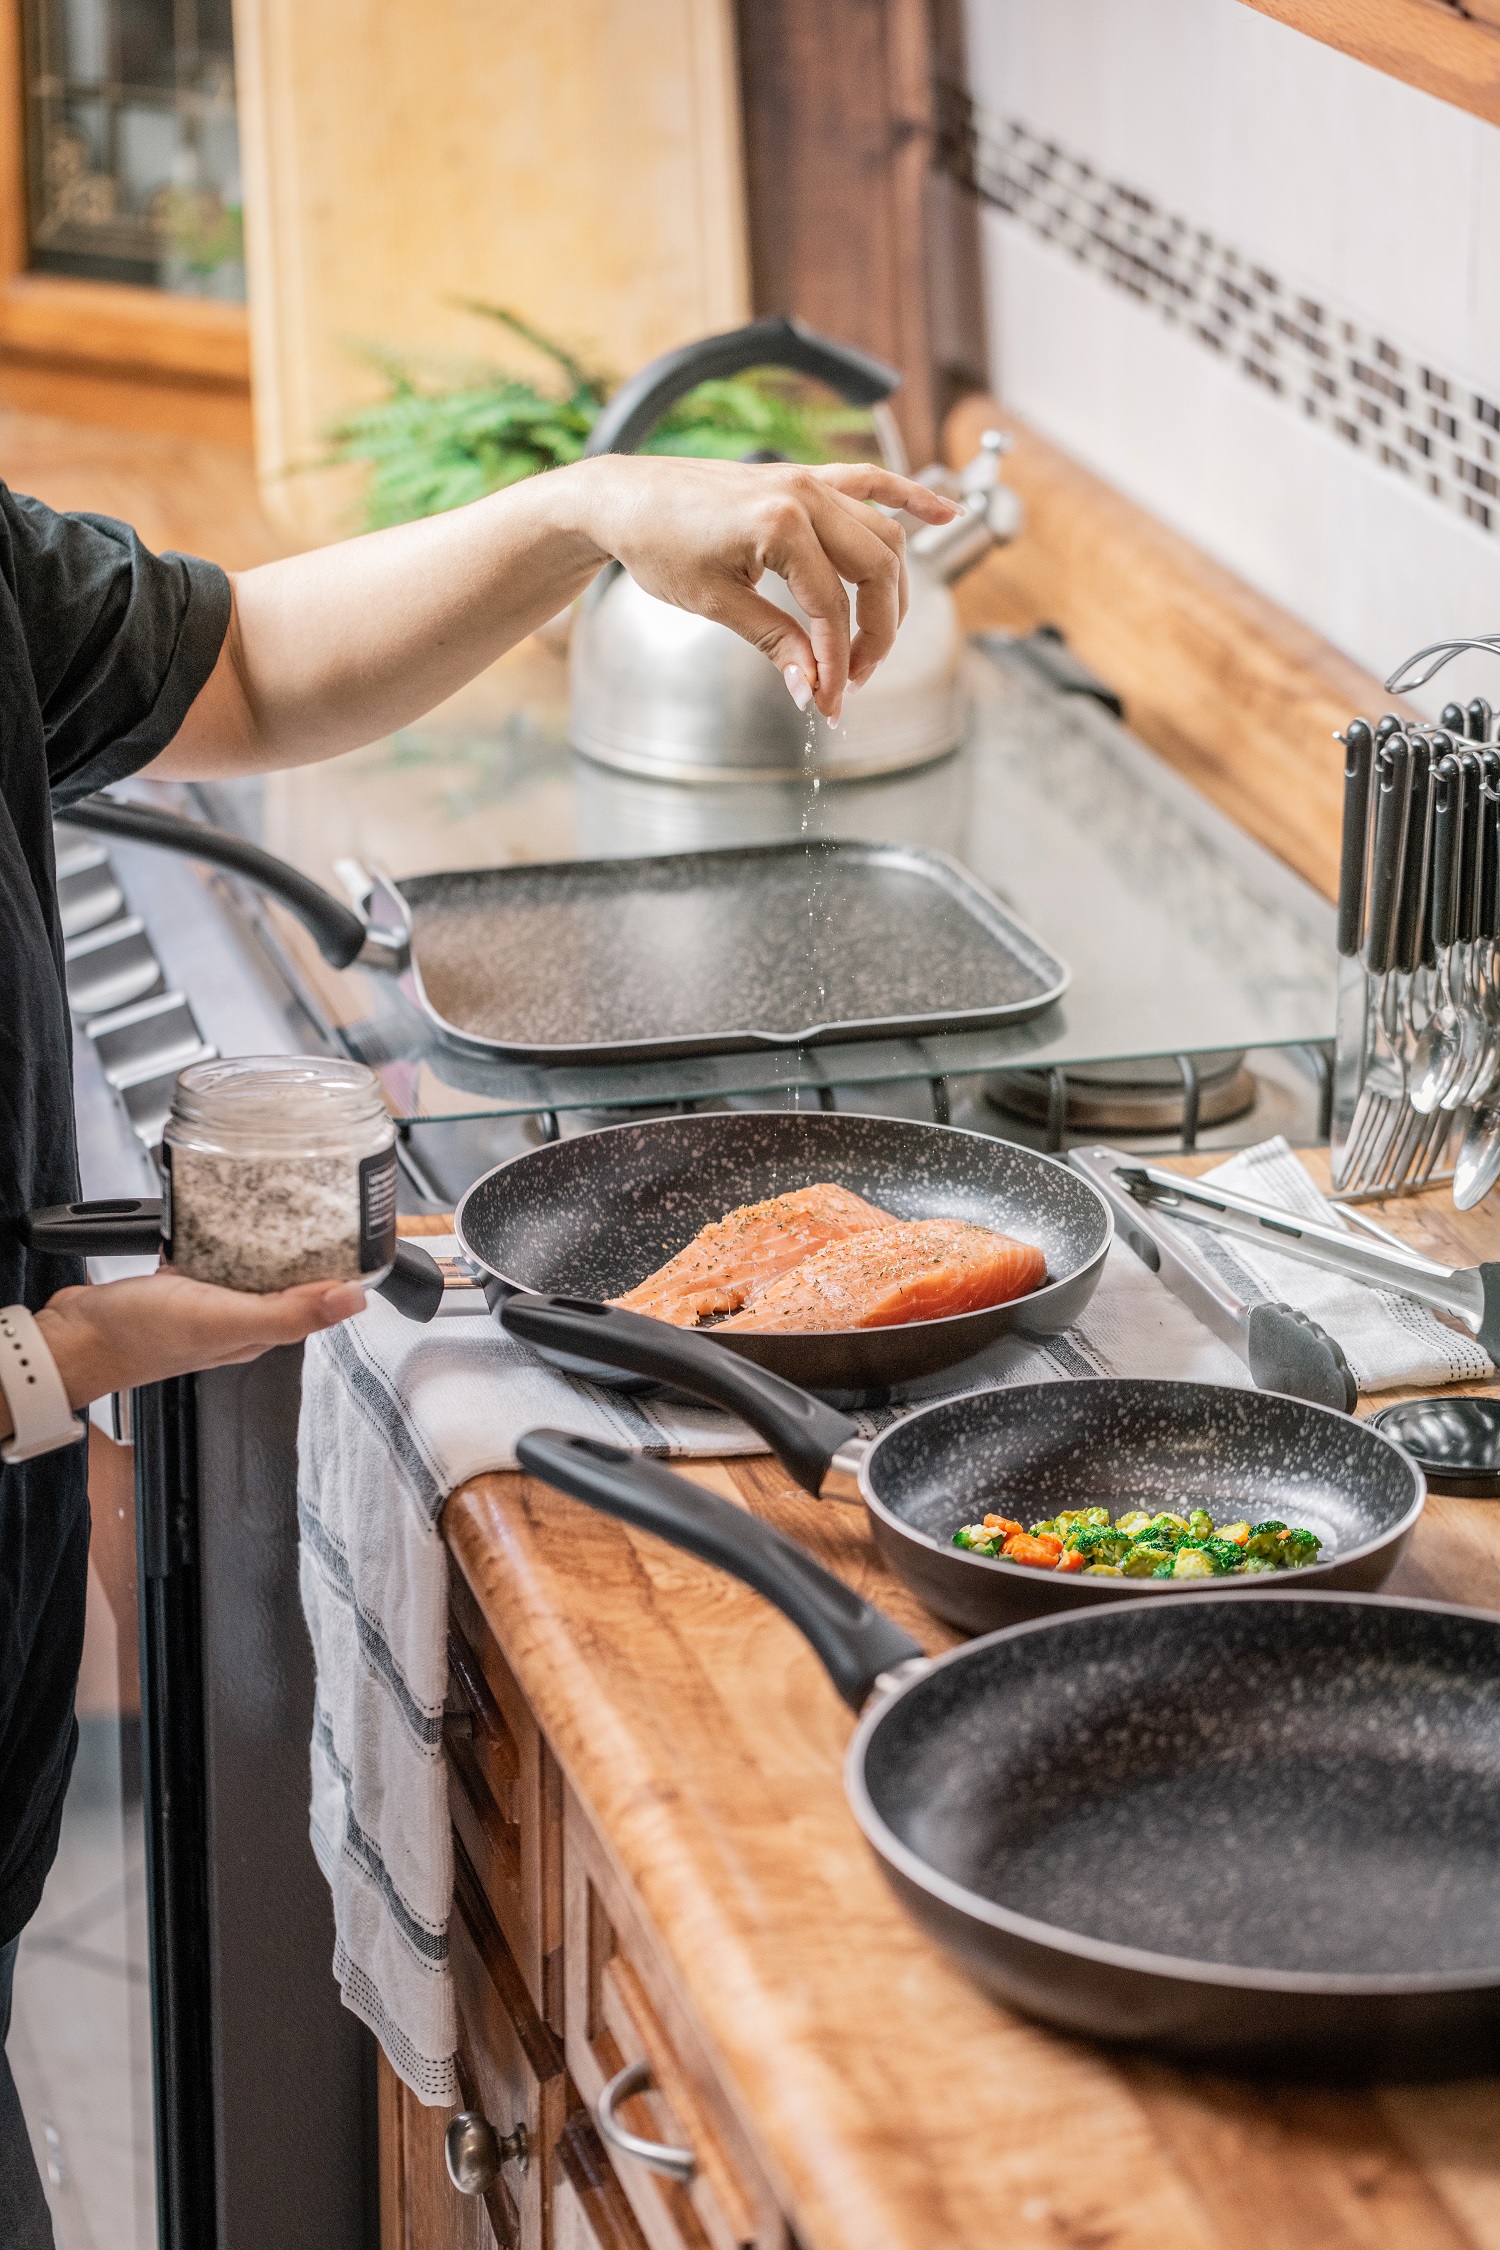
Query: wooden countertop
[891, 2102]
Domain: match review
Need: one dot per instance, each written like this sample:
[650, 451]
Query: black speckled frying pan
[1026, 1451]
[591, 1217]
[1259, 1832]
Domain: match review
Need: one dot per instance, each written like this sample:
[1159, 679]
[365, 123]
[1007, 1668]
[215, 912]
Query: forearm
[334, 648]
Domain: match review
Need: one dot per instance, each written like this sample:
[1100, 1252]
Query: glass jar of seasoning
[279, 1169]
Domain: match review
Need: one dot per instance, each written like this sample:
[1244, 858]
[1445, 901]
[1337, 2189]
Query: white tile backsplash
[1346, 184]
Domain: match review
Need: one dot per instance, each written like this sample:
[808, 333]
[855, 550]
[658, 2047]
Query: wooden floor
[185, 493]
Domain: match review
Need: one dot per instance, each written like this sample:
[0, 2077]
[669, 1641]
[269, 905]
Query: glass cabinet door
[132, 144]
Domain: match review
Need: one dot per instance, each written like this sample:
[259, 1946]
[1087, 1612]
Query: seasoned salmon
[733, 1256]
[918, 1269]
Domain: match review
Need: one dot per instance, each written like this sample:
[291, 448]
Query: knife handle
[1392, 798]
[1359, 759]
[1479, 716]
[1447, 830]
[1454, 720]
[1489, 845]
[1411, 925]
[1388, 726]
[1471, 853]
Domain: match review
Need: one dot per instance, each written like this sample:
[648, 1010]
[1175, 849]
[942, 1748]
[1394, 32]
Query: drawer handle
[474, 2152]
[657, 2156]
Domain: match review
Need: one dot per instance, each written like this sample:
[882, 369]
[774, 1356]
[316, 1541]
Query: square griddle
[719, 952]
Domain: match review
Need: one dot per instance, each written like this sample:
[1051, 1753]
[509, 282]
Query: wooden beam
[1424, 42]
[837, 139]
[1236, 694]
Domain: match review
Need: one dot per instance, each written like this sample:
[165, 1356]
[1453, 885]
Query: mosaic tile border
[1319, 358]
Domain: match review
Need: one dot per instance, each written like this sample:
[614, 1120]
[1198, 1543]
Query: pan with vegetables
[1169, 1454]
[1252, 1831]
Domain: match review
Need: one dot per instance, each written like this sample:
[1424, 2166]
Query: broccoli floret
[1052, 1528]
[1165, 1570]
[1271, 1524]
[1251, 1566]
[1268, 1545]
[1301, 1548]
[1222, 1553]
[1200, 1523]
[1146, 1558]
[1167, 1530]
[1192, 1562]
[1099, 1544]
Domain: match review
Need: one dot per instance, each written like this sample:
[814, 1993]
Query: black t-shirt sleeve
[119, 640]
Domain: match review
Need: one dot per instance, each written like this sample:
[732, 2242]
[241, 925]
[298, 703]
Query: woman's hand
[700, 534]
[113, 1335]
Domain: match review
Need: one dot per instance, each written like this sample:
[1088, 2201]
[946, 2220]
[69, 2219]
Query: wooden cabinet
[560, 1986]
[506, 1798]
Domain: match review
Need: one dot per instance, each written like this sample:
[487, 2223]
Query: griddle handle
[854, 1642]
[414, 1284]
[637, 406]
[335, 929]
[126, 1227]
[801, 1431]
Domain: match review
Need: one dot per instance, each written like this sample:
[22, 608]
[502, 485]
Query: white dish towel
[1390, 1341]
[394, 1417]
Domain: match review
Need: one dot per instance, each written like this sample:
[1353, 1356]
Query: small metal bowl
[1455, 1442]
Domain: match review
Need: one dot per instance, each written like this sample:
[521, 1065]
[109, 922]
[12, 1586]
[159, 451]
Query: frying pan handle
[127, 1227]
[336, 929]
[130, 1227]
[637, 406]
[854, 1642]
[801, 1431]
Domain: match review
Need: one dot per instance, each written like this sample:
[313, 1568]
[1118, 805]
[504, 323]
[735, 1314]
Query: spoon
[1436, 1058]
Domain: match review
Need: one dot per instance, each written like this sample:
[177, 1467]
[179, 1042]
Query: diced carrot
[1073, 1559]
[1003, 1523]
[1041, 1553]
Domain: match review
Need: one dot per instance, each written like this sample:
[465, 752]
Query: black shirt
[103, 646]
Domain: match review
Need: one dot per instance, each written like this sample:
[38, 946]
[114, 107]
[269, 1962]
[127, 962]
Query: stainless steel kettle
[655, 690]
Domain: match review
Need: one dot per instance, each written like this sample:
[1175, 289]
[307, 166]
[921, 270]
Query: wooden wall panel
[838, 133]
[579, 162]
[1440, 48]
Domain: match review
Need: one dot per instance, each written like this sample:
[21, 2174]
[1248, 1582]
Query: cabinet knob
[474, 2152]
[658, 2156]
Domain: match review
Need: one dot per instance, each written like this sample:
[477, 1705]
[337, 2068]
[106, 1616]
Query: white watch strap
[40, 1417]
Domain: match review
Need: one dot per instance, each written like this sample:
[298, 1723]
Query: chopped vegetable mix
[1136, 1545]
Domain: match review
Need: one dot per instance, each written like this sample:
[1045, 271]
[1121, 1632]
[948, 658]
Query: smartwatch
[41, 1418]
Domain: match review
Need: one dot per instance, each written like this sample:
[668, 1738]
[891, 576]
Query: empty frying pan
[1251, 1831]
[591, 1217]
[1032, 1449]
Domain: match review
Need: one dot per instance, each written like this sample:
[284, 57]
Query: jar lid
[278, 1099]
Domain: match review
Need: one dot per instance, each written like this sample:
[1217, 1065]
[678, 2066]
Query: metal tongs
[1469, 1293]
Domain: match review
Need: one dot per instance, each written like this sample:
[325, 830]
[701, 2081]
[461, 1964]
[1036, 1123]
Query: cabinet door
[419, 2206]
[510, 2064]
[506, 1798]
[621, 2009]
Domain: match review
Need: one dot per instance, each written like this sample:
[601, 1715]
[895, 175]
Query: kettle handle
[639, 405]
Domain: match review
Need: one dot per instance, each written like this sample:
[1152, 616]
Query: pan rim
[791, 1337]
[1050, 1936]
[842, 1031]
[1309, 1576]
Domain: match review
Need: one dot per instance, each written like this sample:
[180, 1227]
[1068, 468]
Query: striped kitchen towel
[394, 1418]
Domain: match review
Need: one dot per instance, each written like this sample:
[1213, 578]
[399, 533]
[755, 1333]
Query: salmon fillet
[918, 1269]
[739, 1253]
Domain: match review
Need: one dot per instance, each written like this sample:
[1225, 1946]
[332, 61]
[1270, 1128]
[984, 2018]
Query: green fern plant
[429, 446]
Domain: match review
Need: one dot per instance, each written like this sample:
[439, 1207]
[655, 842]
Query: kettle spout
[992, 515]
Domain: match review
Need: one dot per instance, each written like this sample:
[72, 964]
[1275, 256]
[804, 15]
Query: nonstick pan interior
[591, 1217]
[1119, 1444]
[1220, 1823]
